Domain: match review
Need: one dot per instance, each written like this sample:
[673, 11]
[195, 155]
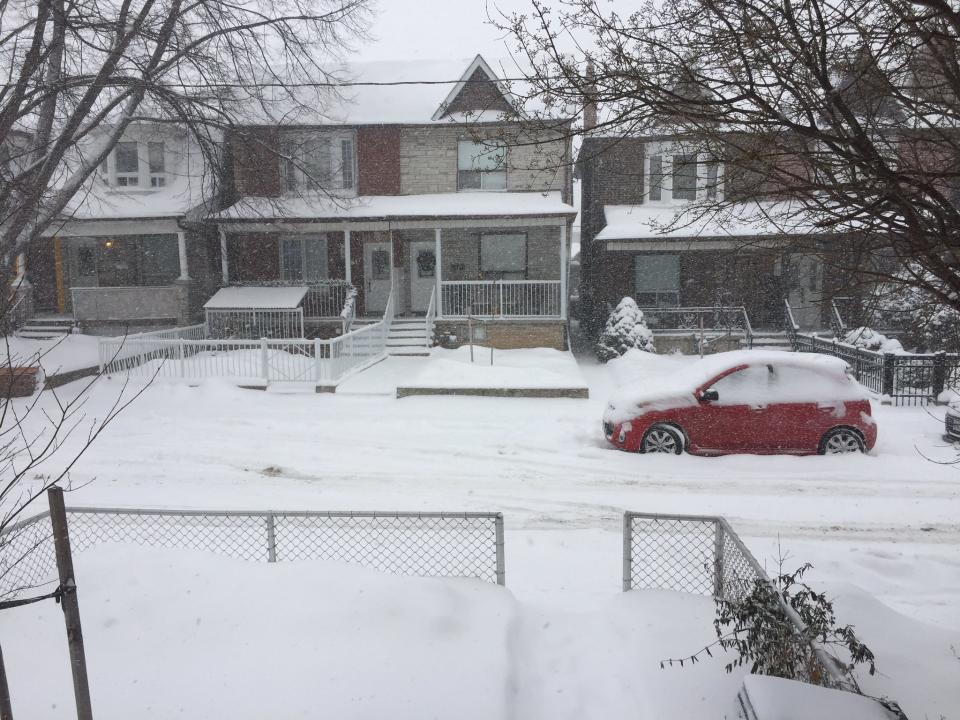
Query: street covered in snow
[882, 525]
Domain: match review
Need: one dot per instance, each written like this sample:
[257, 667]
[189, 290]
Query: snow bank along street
[885, 523]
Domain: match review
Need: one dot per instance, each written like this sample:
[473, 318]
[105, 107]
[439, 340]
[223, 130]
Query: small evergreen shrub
[625, 330]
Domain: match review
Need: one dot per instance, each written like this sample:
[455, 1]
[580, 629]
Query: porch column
[563, 270]
[21, 268]
[438, 272]
[346, 257]
[390, 236]
[182, 247]
[224, 261]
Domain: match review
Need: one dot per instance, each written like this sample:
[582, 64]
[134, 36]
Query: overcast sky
[429, 29]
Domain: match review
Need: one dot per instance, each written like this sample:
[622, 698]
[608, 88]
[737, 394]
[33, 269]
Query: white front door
[423, 270]
[376, 273]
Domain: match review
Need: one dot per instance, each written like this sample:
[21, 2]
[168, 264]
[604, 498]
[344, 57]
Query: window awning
[287, 297]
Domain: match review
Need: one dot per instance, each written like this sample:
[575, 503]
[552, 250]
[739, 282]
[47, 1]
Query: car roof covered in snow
[710, 366]
[271, 298]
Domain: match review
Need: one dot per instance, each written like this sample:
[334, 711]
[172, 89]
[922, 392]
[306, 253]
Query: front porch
[502, 271]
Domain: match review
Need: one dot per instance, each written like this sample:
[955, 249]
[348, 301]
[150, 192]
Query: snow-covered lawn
[886, 522]
[531, 368]
[56, 355]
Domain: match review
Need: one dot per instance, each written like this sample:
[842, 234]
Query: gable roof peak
[493, 95]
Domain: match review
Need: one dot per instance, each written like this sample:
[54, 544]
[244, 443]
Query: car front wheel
[841, 441]
[662, 439]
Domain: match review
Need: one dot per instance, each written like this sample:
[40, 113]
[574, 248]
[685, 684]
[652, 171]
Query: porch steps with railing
[44, 328]
[408, 336]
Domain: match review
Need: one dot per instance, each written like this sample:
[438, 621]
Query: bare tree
[79, 74]
[844, 115]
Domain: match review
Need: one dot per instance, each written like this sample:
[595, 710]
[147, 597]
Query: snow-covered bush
[625, 330]
[870, 339]
[928, 324]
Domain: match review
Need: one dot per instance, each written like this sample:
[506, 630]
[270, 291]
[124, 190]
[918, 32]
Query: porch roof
[663, 222]
[386, 208]
[287, 297]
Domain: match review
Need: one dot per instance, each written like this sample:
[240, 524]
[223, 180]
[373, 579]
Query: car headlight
[623, 435]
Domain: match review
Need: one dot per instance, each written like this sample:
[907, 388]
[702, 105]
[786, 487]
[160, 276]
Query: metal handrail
[790, 318]
[431, 316]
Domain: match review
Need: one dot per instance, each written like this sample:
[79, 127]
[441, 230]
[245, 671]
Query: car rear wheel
[841, 441]
[662, 439]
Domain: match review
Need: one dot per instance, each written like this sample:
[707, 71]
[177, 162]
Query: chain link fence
[425, 544]
[702, 555]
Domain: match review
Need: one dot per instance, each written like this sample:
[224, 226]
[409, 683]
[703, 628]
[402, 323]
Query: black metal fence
[907, 379]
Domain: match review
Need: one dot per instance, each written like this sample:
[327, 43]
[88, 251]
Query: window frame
[656, 292]
[484, 175]
[707, 188]
[339, 175]
[145, 177]
[499, 273]
[303, 255]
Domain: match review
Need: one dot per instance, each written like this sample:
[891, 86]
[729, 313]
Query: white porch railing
[501, 298]
[181, 354]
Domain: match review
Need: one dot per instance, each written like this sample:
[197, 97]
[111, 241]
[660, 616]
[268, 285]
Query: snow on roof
[273, 298]
[399, 207]
[634, 222]
[382, 92]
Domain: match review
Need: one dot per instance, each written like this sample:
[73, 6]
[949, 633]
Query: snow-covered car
[746, 401]
[951, 424]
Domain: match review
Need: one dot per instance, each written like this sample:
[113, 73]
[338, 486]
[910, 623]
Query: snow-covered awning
[287, 297]
[461, 205]
[662, 222]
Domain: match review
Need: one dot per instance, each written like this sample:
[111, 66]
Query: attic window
[481, 165]
[134, 164]
[672, 173]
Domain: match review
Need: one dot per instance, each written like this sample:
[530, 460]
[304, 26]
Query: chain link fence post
[271, 538]
[501, 560]
[627, 551]
[718, 564]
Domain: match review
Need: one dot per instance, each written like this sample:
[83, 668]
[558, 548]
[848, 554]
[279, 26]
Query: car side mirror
[710, 395]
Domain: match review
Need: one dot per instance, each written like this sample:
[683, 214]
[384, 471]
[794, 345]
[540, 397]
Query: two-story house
[128, 252]
[643, 235]
[424, 198]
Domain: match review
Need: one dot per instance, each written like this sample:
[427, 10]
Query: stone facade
[428, 160]
[503, 334]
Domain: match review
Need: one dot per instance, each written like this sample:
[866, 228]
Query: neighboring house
[129, 252]
[428, 199]
[422, 197]
[639, 239]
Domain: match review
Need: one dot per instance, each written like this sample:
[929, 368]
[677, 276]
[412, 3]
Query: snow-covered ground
[886, 522]
[530, 368]
[56, 355]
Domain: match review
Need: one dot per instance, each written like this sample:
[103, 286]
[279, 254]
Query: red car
[746, 401]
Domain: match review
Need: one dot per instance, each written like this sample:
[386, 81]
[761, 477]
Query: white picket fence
[187, 354]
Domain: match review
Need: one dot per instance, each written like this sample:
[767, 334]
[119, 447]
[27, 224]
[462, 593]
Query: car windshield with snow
[747, 402]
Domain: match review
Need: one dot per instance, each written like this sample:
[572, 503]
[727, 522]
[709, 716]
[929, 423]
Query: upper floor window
[674, 174]
[136, 164]
[318, 160]
[481, 165]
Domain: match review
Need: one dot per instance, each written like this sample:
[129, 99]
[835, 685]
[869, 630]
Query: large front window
[318, 160]
[672, 173]
[126, 261]
[303, 258]
[503, 256]
[657, 280]
[481, 165]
